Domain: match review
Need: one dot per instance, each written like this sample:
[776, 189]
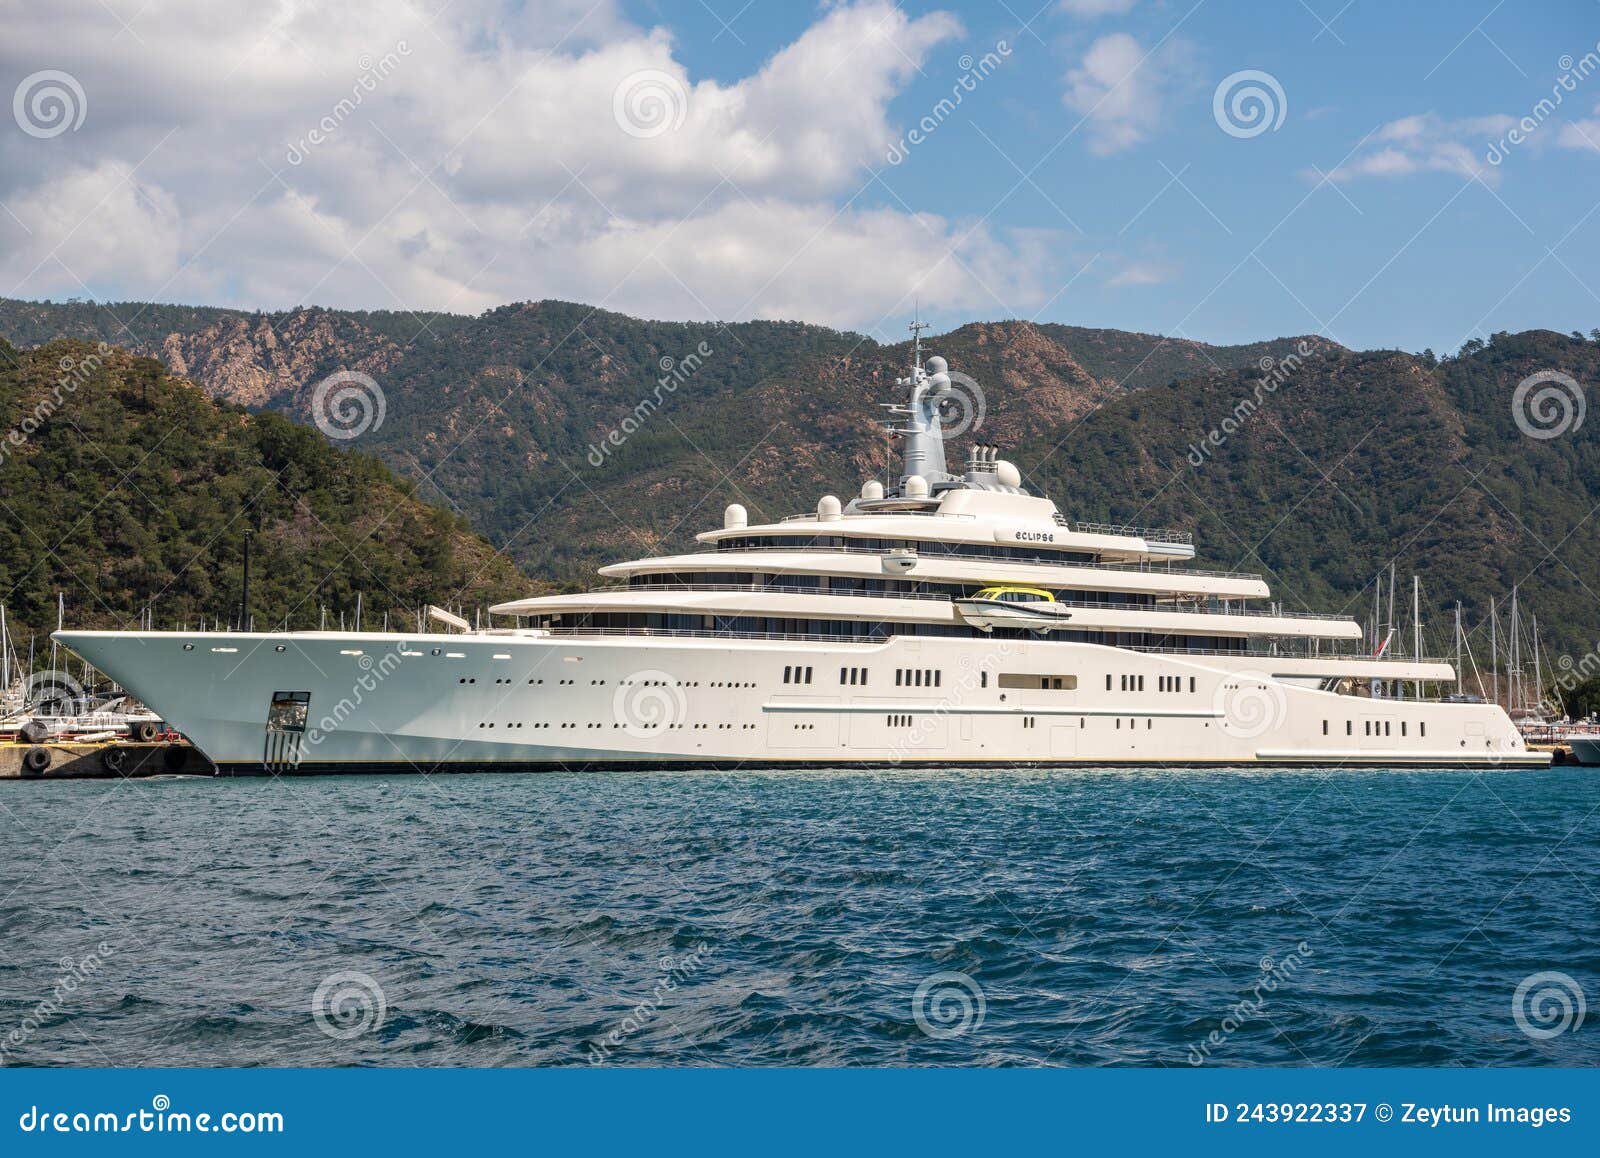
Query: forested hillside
[123, 487]
[571, 437]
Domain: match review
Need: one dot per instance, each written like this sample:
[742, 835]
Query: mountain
[504, 417]
[571, 437]
[1355, 460]
[122, 486]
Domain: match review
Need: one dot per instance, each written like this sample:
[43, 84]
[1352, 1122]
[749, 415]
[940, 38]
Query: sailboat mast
[1516, 653]
[1494, 648]
[1416, 624]
[1461, 676]
[1538, 668]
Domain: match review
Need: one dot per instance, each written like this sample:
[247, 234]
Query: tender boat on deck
[1026, 608]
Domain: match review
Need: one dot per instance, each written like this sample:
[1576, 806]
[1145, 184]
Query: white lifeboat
[1027, 608]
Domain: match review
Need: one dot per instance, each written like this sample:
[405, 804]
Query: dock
[69, 760]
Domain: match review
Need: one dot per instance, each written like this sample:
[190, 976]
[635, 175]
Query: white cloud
[1427, 143]
[1118, 88]
[359, 154]
[1093, 9]
[1139, 273]
[1581, 134]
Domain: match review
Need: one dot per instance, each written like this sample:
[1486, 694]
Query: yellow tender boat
[1025, 608]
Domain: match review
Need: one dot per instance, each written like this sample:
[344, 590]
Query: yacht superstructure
[878, 631]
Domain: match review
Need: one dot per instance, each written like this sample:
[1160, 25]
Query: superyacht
[941, 618]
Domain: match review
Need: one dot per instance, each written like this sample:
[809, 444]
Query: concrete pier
[99, 761]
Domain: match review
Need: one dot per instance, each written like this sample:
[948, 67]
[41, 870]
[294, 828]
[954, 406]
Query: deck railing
[1041, 560]
[1169, 607]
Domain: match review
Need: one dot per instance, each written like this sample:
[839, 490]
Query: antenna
[916, 329]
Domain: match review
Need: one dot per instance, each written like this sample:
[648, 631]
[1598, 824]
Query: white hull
[988, 614]
[529, 701]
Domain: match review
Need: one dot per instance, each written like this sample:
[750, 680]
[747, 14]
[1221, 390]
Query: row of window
[853, 676]
[1135, 683]
[861, 585]
[1028, 554]
[917, 677]
[796, 675]
[1377, 728]
[861, 630]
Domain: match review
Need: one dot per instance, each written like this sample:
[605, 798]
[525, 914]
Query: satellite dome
[735, 516]
[916, 487]
[828, 508]
[872, 489]
[937, 365]
[1007, 474]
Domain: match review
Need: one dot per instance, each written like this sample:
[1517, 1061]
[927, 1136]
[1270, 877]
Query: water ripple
[1095, 917]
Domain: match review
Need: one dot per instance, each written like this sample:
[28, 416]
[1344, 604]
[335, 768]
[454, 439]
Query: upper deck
[978, 520]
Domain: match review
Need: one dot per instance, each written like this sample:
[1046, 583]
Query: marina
[942, 617]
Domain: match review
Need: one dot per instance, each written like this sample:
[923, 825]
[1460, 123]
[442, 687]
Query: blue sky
[374, 154]
[1410, 260]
